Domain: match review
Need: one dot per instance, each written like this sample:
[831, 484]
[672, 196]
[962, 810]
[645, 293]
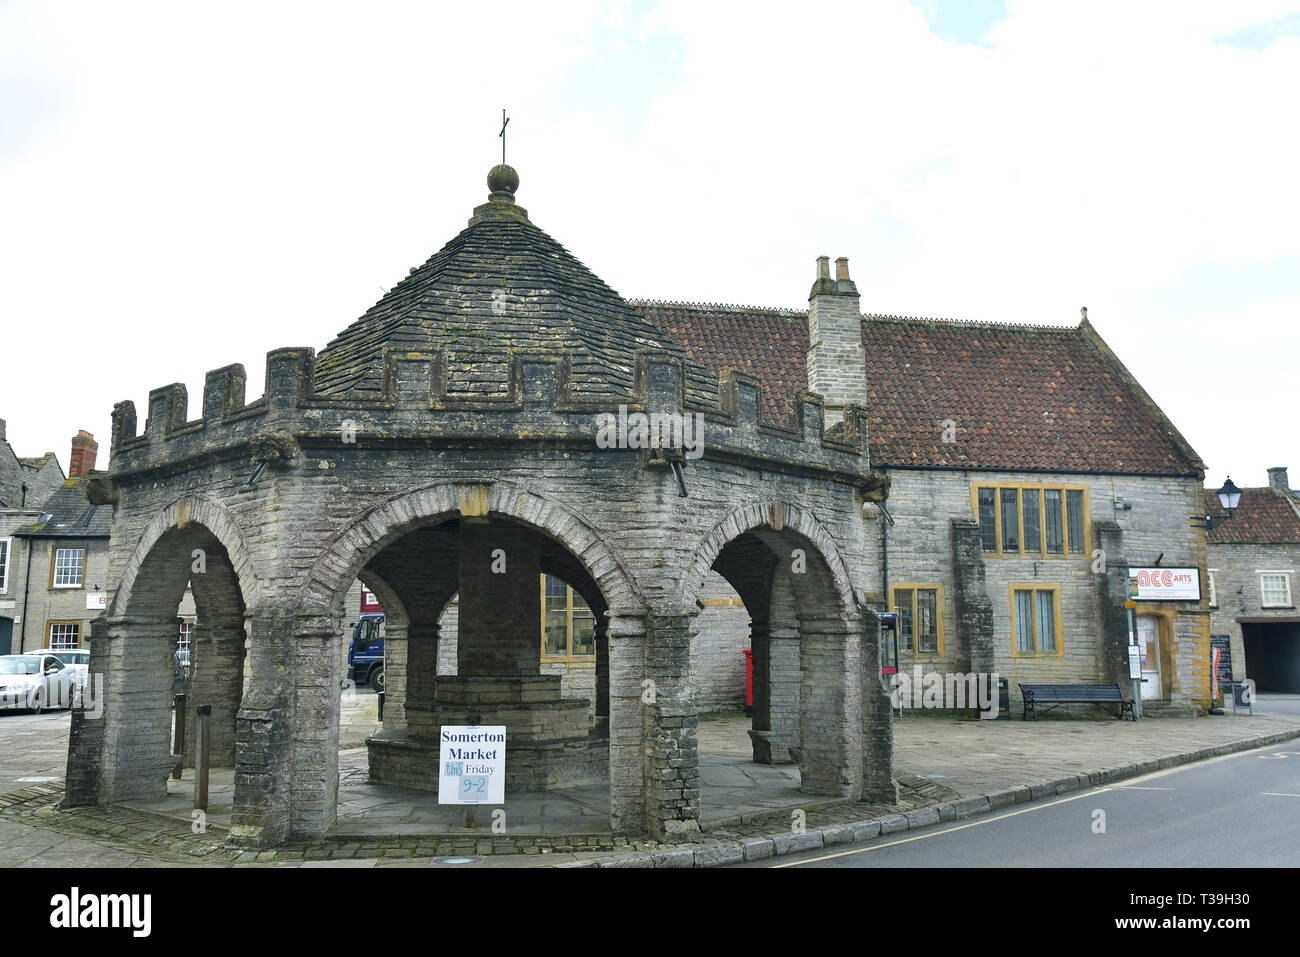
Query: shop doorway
[1148, 628]
[1273, 655]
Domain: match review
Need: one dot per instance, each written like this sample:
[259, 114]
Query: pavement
[947, 769]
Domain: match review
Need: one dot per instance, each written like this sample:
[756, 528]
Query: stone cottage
[1253, 556]
[501, 414]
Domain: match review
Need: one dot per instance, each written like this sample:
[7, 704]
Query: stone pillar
[216, 679]
[627, 724]
[396, 686]
[600, 725]
[264, 746]
[776, 677]
[315, 774]
[970, 597]
[126, 753]
[877, 721]
[672, 777]
[1112, 593]
[830, 699]
[500, 610]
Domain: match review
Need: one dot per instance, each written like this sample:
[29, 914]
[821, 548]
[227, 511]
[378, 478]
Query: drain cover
[458, 860]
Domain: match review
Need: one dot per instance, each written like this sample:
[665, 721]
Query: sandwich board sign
[472, 764]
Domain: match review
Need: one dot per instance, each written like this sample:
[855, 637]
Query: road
[1241, 809]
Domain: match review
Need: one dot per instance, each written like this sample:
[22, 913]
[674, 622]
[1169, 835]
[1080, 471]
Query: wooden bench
[1037, 695]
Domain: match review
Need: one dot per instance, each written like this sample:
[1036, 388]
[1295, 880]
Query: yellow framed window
[63, 635]
[1036, 620]
[919, 606]
[568, 625]
[1041, 519]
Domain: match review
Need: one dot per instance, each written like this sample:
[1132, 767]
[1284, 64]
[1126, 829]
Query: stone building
[26, 482]
[1253, 557]
[485, 423]
[1028, 473]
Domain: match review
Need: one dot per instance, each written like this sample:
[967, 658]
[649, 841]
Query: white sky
[183, 186]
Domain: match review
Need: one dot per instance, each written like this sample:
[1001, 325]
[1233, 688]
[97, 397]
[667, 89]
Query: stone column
[216, 679]
[264, 745]
[500, 600]
[830, 700]
[315, 777]
[126, 753]
[877, 721]
[600, 726]
[419, 716]
[627, 723]
[776, 677]
[396, 686]
[672, 778]
[973, 605]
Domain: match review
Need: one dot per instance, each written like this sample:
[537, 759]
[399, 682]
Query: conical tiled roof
[501, 284]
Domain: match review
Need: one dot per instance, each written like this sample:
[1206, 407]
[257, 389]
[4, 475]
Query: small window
[988, 516]
[1036, 620]
[1052, 527]
[1074, 515]
[920, 617]
[64, 635]
[1275, 589]
[1033, 527]
[4, 564]
[1010, 520]
[568, 624]
[69, 568]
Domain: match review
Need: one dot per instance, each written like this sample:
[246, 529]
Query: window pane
[67, 566]
[1052, 529]
[1074, 512]
[4, 565]
[64, 636]
[555, 615]
[584, 628]
[1010, 520]
[927, 621]
[988, 520]
[903, 605]
[1024, 621]
[1033, 530]
[1275, 590]
[1046, 621]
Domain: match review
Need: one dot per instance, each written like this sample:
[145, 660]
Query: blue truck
[366, 651]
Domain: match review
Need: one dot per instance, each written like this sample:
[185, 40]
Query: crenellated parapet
[420, 404]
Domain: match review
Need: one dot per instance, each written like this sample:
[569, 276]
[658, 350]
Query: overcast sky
[187, 185]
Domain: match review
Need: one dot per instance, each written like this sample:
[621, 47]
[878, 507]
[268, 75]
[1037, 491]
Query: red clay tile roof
[771, 344]
[1018, 397]
[1021, 397]
[1263, 517]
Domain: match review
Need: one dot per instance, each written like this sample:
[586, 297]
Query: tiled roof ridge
[871, 316]
[716, 306]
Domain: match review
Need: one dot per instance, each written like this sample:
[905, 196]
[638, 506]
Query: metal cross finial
[504, 123]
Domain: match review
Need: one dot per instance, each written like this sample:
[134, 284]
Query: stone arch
[348, 552]
[181, 514]
[760, 517]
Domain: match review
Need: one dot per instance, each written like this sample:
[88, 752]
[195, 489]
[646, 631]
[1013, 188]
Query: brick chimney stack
[836, 360]
[84, 448]
[1277, 479]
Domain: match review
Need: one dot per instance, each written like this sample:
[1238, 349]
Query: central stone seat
[547, 738]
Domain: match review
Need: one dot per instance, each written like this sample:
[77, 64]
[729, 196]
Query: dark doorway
[1273, 655]
[6, 635]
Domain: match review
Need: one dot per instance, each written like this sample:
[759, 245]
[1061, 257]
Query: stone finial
[503, 181]
[1083, 313]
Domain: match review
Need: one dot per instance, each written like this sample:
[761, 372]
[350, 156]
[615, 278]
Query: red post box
[749, 680]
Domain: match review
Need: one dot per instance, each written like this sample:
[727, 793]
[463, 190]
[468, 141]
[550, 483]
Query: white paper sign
[472, 764]
[97, 600]
[1166, 584]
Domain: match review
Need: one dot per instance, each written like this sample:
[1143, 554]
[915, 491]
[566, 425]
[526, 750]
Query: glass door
[1148, 627]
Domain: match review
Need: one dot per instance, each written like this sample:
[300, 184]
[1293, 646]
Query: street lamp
[1229, 496]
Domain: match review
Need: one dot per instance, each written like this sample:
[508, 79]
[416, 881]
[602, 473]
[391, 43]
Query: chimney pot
[842, 268]
[823, 267]
[1277, 479]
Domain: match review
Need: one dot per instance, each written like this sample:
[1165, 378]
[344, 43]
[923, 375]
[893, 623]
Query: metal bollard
[381, 706]
[202, 756]
[178, 702]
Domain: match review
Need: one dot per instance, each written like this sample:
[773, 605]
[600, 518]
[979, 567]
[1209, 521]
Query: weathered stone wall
[718, 651]
[1161, 520]
[1239, 593]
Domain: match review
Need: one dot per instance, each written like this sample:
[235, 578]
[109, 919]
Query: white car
[77, 661]
[34, 682]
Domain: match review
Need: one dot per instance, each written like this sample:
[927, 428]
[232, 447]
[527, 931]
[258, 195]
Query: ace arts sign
[1164, 584]
[472, 764]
